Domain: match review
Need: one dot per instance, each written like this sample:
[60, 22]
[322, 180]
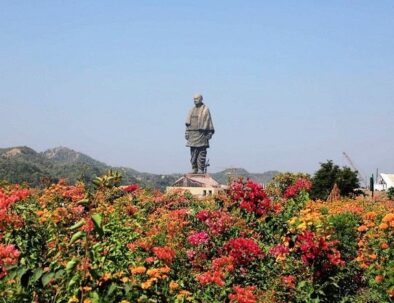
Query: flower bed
[67, 243]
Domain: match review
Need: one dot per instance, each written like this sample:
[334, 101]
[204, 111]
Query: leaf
[111, 289]
[97, 220]
[73, 281]
[71, 265]
[83, 202]
[59, 274]
[95, 297]
[78, 235]
[78, 224]
[36, 275]
[301, 284]
[47, 278]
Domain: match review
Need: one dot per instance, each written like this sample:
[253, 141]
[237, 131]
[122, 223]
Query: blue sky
[289, 83]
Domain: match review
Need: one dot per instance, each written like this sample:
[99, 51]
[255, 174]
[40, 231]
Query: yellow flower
[302, 226]
[73, 299]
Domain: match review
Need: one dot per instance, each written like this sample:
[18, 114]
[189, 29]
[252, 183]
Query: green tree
[329, 174]
[390, 193]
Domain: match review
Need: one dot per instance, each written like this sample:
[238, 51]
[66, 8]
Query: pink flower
[279, 250]
[198, 238]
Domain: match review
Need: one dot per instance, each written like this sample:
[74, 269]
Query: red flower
[217, 221]
[216, 277]
[8, 256]
[164, 253]
[251, 197]
[289, 281]
[224, 263]
[243, 250]
[298, 186]
[243, 294]
[131, 188]
[88, 226]
[318, 250]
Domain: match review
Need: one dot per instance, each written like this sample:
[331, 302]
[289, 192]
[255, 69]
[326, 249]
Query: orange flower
[388, 218]
[373, 256]
[384, 246]
[182, 294]
[148, 283]
[362, 228]
[379, 279]
[383, 226]
[173, 285]
[370, 215]
[138, 270]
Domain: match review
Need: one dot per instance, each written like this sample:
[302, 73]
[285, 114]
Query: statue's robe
[199, 126]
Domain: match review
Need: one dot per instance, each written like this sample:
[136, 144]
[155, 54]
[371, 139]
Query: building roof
[196, 180]
[388, 179]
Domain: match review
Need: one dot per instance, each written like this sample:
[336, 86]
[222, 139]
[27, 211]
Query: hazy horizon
[288, 84]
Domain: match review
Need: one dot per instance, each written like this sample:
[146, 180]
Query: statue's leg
[193, 158]
[202, 156]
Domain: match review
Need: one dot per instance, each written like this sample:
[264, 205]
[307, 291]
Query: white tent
[385, 182]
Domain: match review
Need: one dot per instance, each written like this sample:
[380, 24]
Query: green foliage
[329, 173]
[390, 193]
[109, 180]
[345, 231]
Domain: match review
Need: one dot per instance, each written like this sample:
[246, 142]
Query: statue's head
[197, 99]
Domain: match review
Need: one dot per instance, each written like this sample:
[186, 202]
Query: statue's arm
[209, 133]
[187, 134]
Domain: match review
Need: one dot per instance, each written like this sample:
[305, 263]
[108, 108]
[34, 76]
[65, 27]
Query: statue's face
[197, 100]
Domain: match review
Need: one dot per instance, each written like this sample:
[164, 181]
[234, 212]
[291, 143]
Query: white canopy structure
[385, 182]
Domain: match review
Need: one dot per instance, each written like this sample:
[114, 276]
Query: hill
[224, 176]
[23, 164]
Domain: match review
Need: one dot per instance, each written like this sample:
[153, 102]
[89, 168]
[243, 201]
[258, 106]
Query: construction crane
[360, 176]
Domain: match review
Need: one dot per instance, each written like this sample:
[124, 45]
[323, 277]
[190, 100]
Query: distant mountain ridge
[23, 164]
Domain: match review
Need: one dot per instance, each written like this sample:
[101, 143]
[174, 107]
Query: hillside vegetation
[23, 164]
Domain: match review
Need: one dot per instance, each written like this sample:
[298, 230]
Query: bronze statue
[199, 130]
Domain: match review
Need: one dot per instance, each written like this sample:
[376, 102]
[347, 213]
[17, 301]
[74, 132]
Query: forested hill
[23, 164]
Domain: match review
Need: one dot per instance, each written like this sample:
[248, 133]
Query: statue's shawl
[204, 118]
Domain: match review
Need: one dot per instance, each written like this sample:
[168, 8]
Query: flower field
[71, 243]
